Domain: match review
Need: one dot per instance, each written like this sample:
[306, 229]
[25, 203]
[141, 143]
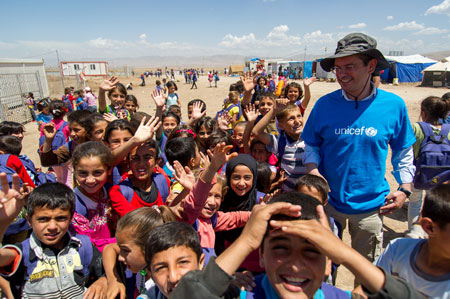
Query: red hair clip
[187, 131]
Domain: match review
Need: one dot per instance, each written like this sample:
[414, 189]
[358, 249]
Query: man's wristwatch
[407, 192]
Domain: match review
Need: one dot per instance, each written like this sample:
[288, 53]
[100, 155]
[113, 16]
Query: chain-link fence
[13, 88]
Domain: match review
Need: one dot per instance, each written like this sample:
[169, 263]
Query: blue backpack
[58, 140]
[85, 250]
[39, 177]
[226, 110]
[160, 181]
[6, 169]
[433, 162]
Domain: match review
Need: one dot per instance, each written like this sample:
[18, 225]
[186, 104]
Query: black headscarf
[232, 201]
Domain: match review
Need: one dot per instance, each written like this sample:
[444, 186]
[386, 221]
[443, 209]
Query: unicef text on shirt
[371, 131]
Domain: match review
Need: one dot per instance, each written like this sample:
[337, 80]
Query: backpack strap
[445, 130]
[80, 206]
[214, 220]
[429, 134]
[127, 189]
[86, 252]
[26, 257]
[29, 165]
[161, 185]
[4, 160]
[282, 141]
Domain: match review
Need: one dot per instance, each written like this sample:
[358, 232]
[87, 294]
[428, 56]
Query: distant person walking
[91, 99]
[194, 80]
[216, 78]
[31, 103]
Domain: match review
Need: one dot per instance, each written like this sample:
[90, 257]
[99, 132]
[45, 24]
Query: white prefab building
[17, 78]
[87, 68]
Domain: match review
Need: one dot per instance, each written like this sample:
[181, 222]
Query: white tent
[406, 68]
[437, 75]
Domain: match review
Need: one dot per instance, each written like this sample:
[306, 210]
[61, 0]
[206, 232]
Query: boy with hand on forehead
[287, 146]
[50, 263]
[295, 243]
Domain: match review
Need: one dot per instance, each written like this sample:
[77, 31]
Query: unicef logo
[371, 131]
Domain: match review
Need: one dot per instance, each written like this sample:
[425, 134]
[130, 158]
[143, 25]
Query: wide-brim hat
[356, 43]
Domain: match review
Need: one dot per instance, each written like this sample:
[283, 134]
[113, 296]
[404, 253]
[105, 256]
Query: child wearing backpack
[431, 153]
[144, 187]
[58, 110]
[67, 99]
[288, 146]
[50, 261]
[92, 162]
[10, 163]
[116, 94]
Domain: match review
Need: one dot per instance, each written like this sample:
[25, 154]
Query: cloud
[405, 26]
[357, 26]
[443, 9]
[430, 31]
[103, 43]
[317, 37]
[389, 18]
[277, 37]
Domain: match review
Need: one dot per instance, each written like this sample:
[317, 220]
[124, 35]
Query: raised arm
[306, 83]
[252, 114]
[104, 87]
[159, 99]
[115, 286]
[249, 84]
[143, 133]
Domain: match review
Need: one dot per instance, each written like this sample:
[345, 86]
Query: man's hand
[97, 290]
[109, 84]
[183, 175]
[147, 130]
[394, 201]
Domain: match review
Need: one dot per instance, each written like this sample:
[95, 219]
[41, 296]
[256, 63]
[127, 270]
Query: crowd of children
[140, 206]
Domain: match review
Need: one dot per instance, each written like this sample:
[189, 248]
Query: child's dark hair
[96, 117]
[435, 108]
[209, 122]
[181, 150]
[175, 109]
[191, 103]
[266, 95]
[436, 205]
[136, 118]
[51, 196]
[170, 114]
[263, 179]
[10, 145]
[152, 144]
[295, 85]
[240, 124]
[255, 142]
[171, 84]
[140, 222]
[181, 131]
[158, 82]
[219, 137]
[169, 235]
[83, 118]
[92, 149]
[238, 86]
[45, 102]
[309, 180]
[11, 127]
[120, 88]
[132, 98]
[118, 124]
[308, 204]
[446, 96]
[58, 108]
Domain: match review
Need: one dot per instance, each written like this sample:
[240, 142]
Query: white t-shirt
[399, 260]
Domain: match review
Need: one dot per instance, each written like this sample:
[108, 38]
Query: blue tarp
[307, 69]
[411, 72]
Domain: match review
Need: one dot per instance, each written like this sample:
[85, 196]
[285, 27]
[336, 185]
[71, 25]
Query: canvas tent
[236, 69]
[437, 75]
[406, 68]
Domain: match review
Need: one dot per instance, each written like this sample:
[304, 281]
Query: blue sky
[108, 29]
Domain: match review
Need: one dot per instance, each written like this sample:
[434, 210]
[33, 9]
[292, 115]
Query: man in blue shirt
[347, 137]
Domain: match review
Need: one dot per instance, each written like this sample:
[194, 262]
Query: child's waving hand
[109, 84]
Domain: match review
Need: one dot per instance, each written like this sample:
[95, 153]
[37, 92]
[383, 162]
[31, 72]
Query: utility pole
[304, 55]
[60, 70]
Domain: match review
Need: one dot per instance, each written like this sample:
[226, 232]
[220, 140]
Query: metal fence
[13, 88]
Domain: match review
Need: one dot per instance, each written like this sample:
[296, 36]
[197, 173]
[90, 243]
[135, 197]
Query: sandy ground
[394, 225]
